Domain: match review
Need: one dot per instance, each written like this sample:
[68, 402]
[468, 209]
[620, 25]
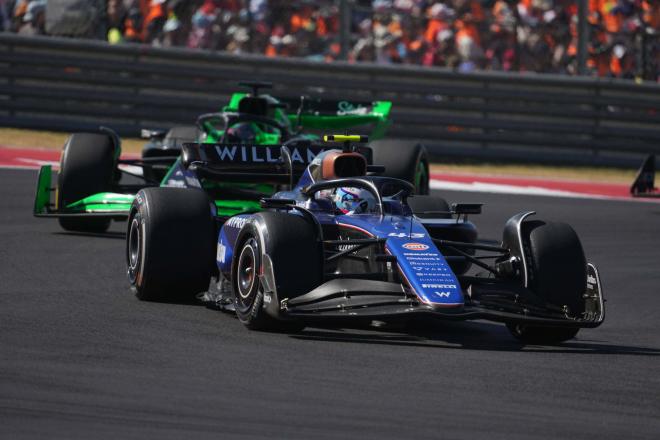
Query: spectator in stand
[5, 15]
[468, 35]
[30, 17]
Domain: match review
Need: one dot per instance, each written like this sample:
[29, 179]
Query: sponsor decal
[175, 183]
[257, 154]
[439, 286]
[222, 252]
[226, 152]
[404, 235]
[443, 294]
[347, 246]
[591, 279]
[347, 108]
[415, 246]
[193, 182]
[236, 222]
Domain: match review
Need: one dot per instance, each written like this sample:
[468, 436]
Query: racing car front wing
[109, 205]
[353, 299]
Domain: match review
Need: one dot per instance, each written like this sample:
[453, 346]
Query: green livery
[92, 186]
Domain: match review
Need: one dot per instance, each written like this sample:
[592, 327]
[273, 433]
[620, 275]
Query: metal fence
[62, 84]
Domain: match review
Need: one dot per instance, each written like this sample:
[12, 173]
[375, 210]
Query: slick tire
[87, 167]
[558, 275]
[294, 248]
[403, 160]
[170, 244]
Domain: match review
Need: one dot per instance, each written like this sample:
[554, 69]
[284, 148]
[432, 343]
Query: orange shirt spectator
[651, 13]
[434, 27]
[156, 12]
[611, 20]
[466, 28]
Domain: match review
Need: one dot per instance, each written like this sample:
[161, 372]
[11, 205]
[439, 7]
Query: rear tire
[557, 274]
[170, 244]
[87, 167]
[291, 243]
[403, 160]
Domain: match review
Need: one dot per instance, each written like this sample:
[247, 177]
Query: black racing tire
[431, 204]
[294, 248]
[87, 167]
[170, 244]
[403, 160]
[558, 275]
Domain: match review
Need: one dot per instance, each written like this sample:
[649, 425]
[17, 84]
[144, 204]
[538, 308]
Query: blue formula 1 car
[340, 243]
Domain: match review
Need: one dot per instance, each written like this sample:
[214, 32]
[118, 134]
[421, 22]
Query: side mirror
[466, 208]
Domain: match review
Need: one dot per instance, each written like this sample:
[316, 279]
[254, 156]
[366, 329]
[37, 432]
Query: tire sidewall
[248, 308]
[136, 225]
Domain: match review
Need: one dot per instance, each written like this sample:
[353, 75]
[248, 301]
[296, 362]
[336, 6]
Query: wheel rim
[134, 249]
[246, 271]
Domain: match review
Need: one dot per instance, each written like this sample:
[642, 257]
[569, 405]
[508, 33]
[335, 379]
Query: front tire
[291, 243]
[87, 167]
[170, 244]
[558, 275]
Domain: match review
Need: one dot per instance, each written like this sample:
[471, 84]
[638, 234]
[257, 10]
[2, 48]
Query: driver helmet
[354, 201]
[244, 132]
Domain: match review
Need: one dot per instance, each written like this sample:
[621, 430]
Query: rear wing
[243, 163]
[274, 164]
[329, 114]
[340, 115]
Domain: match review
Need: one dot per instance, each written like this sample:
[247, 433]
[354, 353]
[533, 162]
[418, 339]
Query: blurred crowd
[466, 35]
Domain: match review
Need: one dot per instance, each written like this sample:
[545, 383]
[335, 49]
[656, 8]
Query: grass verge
[21, 138]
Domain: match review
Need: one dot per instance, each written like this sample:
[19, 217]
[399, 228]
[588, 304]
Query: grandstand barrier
[65, 84]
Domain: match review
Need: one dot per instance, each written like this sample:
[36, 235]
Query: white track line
[437, 184]
[496, 188]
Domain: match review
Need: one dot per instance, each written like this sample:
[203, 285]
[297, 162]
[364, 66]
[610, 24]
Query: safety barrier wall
[65, 84]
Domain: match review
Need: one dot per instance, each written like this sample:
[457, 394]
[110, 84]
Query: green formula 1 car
[91, 189]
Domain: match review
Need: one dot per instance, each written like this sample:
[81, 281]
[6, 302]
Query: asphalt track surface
[81, 357]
